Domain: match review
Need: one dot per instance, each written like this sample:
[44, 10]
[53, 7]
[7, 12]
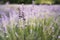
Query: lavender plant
[36, 28]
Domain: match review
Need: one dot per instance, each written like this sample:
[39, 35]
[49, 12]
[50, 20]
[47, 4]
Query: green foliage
[30, 1]
[19, 1]
[44, 1]
[57, 1]
[41, 29]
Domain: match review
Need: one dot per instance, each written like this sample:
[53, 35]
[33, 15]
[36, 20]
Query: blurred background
[30, 1]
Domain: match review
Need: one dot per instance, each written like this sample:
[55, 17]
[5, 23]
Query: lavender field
[29, 22]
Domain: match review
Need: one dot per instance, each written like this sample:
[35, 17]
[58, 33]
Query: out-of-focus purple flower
[14, 17]
[5, 20]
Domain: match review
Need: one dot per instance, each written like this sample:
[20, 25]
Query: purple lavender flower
[14, 17]
[5, 20]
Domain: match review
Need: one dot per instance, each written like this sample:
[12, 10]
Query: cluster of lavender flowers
[21, 17]
[27, 12]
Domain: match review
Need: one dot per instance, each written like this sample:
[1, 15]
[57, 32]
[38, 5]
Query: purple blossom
[14, 16]
[5, 20]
